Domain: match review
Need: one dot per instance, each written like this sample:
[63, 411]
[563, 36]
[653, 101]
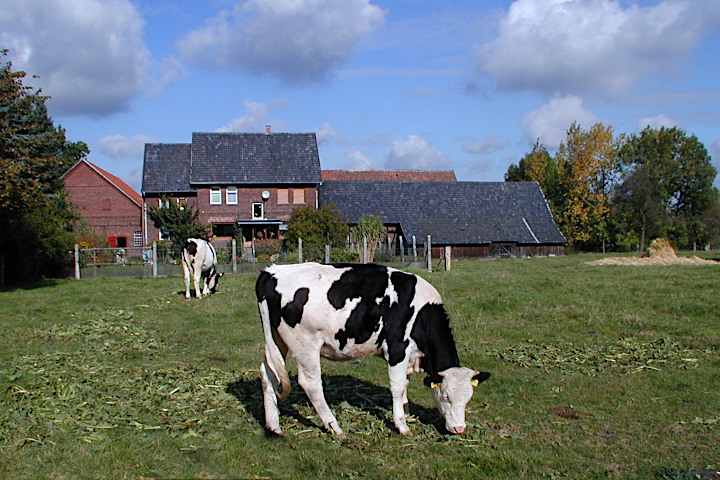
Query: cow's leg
[310, 379]
[186, 276]
[398, 389]
[205, 289]
[196, 282]
[270, 399]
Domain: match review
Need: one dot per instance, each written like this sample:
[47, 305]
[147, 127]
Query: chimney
[268, 129]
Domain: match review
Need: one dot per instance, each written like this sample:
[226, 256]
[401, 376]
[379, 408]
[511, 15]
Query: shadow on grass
[360, 394]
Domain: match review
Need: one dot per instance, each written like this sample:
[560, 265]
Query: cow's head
[452, 390]
[213, 280]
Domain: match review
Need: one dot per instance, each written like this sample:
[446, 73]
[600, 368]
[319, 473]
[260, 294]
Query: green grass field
[598, 372]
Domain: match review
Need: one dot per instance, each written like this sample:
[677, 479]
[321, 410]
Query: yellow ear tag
[433, 385]
[474, 383]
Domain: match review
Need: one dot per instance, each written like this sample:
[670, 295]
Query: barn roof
[390, 175]
[451, 212]
[166, 168]
[242, 158]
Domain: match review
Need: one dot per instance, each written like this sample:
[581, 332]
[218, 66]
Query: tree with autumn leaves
[620, 192]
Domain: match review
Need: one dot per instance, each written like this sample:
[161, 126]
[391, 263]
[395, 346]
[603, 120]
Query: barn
[477, 219]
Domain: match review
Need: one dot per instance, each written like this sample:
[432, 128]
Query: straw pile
[659, 253]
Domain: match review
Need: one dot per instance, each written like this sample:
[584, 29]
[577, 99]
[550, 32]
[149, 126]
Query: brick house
[248, 180]
[111, 209]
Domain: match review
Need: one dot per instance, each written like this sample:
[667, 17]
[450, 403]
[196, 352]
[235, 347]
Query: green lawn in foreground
[598, 372]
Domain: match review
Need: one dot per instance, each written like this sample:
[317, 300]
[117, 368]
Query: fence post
[327, 253]
[414, 249]
[77, 262]
[402, 250]
[429, 254]
[365, 250]
[448, 258]
[234, 256]
[154, 260]
[300, 252]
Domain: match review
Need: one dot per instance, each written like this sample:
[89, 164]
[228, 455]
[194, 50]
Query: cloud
[256, 118]
[550, 122]
[326, 135]
[415, 153]
[489, 145]
[356, 160]
[120, 147]
[584, 46]
[89, 54]
[656, 122]
[298, 41]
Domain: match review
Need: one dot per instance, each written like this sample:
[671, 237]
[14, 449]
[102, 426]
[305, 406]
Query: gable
[83, 170]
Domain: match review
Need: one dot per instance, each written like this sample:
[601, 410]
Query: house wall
[107, 211]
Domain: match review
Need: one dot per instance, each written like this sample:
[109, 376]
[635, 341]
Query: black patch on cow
[433, 336]
[266, 289]
[367, 282]
[191, 247]
[293, 311]
[398, 315]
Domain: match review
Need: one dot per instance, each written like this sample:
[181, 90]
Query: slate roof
[166, 168]
[389, 175]
[242, 158]
[451, 212]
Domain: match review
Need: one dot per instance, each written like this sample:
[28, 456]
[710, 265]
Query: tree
[370, 227]
[36, 217]
[316, 227]
[677, 168]
[538, 166]
[178, 223]
[588, 168]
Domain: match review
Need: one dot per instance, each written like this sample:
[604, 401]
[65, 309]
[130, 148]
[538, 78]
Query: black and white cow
[344, 312]
[199, 262]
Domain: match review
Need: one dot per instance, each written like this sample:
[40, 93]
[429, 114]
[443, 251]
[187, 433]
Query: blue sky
[427, 84]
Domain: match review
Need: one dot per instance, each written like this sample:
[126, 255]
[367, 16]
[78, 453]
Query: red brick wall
[107, 210]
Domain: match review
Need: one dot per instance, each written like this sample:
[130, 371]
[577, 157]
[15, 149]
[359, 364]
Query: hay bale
[660, 249]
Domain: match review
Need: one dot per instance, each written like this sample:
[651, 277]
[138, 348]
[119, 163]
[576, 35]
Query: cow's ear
[479, 378]
[433, 381]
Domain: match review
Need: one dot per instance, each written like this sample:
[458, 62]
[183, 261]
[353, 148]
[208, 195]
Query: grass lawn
[598, 372]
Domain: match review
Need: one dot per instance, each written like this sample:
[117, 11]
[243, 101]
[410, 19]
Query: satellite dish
[265, 195]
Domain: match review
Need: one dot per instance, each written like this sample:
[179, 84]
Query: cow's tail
[274, 358]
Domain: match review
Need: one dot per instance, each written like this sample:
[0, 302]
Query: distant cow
[344, 312]
[199, 261]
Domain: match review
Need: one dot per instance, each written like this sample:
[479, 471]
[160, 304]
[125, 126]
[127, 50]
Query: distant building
[108, 205]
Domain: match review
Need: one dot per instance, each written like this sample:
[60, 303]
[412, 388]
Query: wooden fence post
[448, 258]
[429, 254]
[402, 250]
[154, 260]
[327, 253]
[234, 256]
[365, 250]
[77, 262]
[414, 249]
[300, 252]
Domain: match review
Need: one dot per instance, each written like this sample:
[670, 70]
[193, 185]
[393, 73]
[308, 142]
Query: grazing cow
[199, 261]
[344, 312]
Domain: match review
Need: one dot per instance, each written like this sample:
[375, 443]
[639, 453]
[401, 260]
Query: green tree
[538, 166]
[36, 217]
[371, 228]
[316, 227]
[588, 168]
[178, 223]
[679, 171]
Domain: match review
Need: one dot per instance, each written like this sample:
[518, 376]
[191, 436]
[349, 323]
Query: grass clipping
[659, 253]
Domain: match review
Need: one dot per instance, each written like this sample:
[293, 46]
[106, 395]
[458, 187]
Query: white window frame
[137, 239]
[217, 193]
[262, 211]
[231, 195]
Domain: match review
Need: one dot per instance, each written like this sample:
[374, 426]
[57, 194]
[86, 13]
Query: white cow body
[348, 312]
[199, 262]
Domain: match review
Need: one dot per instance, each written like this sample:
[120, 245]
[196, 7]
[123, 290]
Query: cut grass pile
[598, 372]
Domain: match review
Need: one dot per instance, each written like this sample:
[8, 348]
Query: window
[223, 229]
[182, 203]
[298, 195]
[137, 239]
[257, 211]
[163, 203]
[216, 196]
[231, 196]
[283, 195]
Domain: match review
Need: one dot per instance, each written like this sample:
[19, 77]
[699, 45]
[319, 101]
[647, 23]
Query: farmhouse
[252, 180]
[478, 219]
[107, 204]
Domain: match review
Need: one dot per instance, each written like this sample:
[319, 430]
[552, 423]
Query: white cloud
[298, 41]
[256, 118]
[89, 54]
[356, 160]
[583, 46]
[326, 134]
[415, 153]
[550, 122]
[489, 145]
[120, 147]
[656, 122]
